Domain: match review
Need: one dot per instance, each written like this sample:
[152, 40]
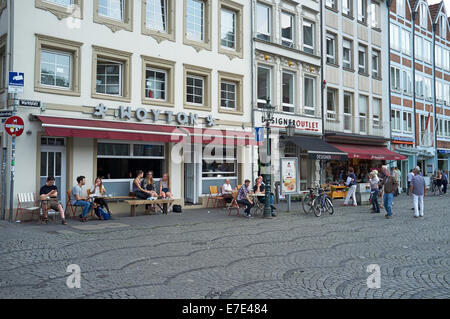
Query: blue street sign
[259, 134]
[16, 82]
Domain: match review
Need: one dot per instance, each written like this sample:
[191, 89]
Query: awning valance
[317, 148]
[117, 130]
[371, 152]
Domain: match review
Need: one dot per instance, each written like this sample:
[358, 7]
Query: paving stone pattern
[207, 254]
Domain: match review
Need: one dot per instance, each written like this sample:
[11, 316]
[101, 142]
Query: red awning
[116, 130]
[368, 152]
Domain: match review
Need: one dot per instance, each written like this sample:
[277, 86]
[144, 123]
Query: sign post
[14, 126]
[289, 177]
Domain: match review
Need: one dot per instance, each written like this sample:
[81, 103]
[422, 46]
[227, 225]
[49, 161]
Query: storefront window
[122, 160]
[219, 162]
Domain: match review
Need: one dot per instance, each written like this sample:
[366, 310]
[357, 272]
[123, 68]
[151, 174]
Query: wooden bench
[166, 203]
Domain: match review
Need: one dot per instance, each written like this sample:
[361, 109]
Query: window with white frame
[406, 82]
[195, 20]
[331, 4]
[362, 113]
[331, 48]
[156, 84]
[442, 27]
[309, 95]
[264, 85]
[287, 29]
[362, 11]
[263, 21]
[376, 56]
[331, 104]
[439, 90]
[407, 122]
[156, 15]
[62, 3]
[362, 58]
[395, 120]
[406, 41]
[376, 112]
[395, 78]
[228, 29]
[112, 9]
[288, 92]
[348, 111]
[400, 8]
[121, 160]
[347, 6]
[423, 16]
[56, 69]
[109, 77]
[195, 89]
[394, 36]
[418, 46]
[427, 51]
[427, 87]
[419, 85]
[228, 94]
[347, 54]
[308, 36]
[438, 56]
[439, 128]
[219, 161]
[374, 14]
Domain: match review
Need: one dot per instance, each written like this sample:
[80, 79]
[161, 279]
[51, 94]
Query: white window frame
[376, 118]
[285, 41]
[121, 66]
[396, 79]
[376, 71]
[70, 69]
[408, 116]
[423, 16]
[374, 14]
[234, 29]
[269, 89]
[331, 4]
[394, 37]
[332, 38]
[396, 120]
[235, 85]
[363, 49]
[122, 10]
[166, 16]
[406, 41]
[363, 116]
[191, 36]
[307, 46]
[348, 116]
[288, 105]
[406, 81]
[332, 114]
[197, 77]
[347, 44]
[307, 107]
[400, 9]
[266, 33]
[347, 7]
[362, 11]
[165, 83]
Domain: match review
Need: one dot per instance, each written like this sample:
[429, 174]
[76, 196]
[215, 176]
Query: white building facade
[120, 85]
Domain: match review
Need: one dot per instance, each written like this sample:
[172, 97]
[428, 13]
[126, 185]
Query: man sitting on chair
[49, 198]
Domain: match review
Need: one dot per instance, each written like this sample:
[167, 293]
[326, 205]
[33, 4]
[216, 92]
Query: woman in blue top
[137, 188]
[351, 183]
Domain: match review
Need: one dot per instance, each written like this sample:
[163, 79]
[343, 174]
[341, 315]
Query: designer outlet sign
[142, 114]
[304, 124]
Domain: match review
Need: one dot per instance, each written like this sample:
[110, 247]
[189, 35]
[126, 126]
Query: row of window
[59, 72]
[401, 121]
[289, 87]
[159, 19]
[263, 26]
[348, 54]
[443, 128]
[349, 112]
[368, 12]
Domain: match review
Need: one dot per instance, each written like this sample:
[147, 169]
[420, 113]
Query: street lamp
[268, 111]
[290, 129]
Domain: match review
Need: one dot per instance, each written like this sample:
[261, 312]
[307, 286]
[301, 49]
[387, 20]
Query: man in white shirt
[227, 191]
[410, 177]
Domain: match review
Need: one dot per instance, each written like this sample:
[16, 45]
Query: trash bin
[363, 193]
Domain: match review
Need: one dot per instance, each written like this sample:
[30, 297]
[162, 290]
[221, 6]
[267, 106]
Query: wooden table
[166, 203]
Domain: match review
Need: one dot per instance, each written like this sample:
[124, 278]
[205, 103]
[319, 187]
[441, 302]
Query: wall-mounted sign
[289, 175]
[302, 124]
[441, 151]
[14, 126]
[143, 114]
[30, 103]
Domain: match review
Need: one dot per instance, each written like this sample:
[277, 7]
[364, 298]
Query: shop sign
[328, 157]
[289, 175]
[403, 139]
[143, 114]
[443, 151]
[302, 123]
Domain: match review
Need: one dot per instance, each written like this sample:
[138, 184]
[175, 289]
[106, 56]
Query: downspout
[434, 98]
[414, 75]
[253, 83]
[322, 84]
[388, 4]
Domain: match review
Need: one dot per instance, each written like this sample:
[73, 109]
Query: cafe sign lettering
[142, 114]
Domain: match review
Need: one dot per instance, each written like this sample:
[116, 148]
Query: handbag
[177, 209]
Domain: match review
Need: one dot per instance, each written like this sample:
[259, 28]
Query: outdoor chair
[234, 205]
[72, 208]
[27, 204]
[214, 196]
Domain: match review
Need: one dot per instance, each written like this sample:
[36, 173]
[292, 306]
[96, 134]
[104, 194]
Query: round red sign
[14, 126]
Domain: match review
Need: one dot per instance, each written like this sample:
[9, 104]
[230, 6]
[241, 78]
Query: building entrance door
[53, 163]
[192, 177]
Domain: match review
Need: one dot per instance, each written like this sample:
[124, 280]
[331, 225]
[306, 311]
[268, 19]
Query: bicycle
[434, 188]
[322, 203]
[308, 199]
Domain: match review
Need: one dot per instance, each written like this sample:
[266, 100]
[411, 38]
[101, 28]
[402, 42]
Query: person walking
[444, 182]
[418, 190]
[390, 185]
[410, 177]
[351, 183]
[374, 191]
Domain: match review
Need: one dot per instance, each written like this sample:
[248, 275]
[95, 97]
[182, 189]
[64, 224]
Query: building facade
[355, 90]
[177, 103]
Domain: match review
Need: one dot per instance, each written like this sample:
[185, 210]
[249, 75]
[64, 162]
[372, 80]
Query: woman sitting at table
[164, 187]
[137, 188]
[98, 191]
[149, 184]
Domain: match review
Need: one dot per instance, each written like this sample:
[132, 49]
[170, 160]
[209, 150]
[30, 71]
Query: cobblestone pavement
[201, 254]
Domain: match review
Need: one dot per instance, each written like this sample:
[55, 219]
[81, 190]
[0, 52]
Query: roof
[434, 10]
[413, 4]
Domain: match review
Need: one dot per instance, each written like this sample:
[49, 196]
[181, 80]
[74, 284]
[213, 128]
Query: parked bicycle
[322, 203]
[308, 199]
[435, 188]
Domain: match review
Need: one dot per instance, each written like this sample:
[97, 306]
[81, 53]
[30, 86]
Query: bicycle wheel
[329, 206]
[316, 207]
[306, 204]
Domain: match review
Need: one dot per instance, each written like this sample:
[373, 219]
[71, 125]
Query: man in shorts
[49, 198]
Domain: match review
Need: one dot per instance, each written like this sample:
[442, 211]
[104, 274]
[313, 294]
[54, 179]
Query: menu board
[289, 175]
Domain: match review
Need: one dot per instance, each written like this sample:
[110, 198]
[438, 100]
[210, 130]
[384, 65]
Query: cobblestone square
[208, 254]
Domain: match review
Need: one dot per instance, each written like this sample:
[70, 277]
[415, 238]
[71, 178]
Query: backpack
[100, 212]
[176, 208]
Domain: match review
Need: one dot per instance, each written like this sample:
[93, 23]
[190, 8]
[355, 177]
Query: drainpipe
[253, 83]
[322, 85]
[388, 4]
[434, 98]
[413, 23]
